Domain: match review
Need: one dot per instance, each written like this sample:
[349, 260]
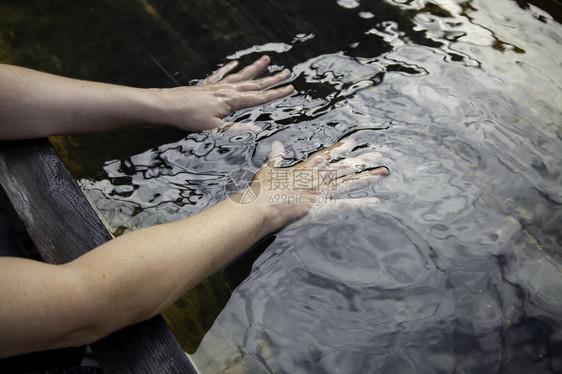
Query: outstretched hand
[312, 186]
[196, 108]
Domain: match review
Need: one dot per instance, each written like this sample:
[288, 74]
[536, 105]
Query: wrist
[264, 216]
[177, 107]
[274, 213]
[153, 107]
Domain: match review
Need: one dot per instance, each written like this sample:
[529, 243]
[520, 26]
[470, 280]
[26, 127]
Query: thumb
[276, 155]
[239, 128]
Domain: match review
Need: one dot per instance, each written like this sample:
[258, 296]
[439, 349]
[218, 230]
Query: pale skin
[35, 104]
[138, 275]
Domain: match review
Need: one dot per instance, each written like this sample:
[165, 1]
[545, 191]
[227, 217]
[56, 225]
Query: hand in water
[203, 107]
[311, 186]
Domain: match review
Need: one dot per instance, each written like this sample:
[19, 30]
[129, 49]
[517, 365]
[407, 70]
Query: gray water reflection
[458, 269]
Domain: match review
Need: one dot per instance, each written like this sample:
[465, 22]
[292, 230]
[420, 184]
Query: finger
[249, 71]
[264, 83]
[355, 181]
[253, 98]
[237, 128]
[277, 154]
[324, 156]
[355, 164]
[221, 72]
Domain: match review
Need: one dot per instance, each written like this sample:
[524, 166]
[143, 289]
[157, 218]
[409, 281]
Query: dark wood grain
[63, 226]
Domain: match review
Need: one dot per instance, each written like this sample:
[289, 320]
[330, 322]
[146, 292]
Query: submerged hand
[203, 107]
[310, 187]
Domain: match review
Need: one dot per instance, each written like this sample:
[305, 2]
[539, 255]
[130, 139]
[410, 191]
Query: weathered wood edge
[63, 226]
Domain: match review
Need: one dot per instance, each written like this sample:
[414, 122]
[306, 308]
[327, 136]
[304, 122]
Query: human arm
[35, 104]
[126, 280]
[139, 274]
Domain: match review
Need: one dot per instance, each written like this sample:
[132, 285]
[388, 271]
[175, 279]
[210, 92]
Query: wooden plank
[63, 226]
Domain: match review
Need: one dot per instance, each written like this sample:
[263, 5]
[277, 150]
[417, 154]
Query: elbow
[83, 335]
[91, 327]
[50, 337]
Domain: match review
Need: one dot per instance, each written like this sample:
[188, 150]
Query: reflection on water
[458, 269]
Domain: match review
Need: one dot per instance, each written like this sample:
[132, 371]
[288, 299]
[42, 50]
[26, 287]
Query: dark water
[458, 269]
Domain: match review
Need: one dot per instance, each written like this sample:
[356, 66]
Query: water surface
[458, 269]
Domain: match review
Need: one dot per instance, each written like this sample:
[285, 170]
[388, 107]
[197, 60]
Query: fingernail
[384, 170]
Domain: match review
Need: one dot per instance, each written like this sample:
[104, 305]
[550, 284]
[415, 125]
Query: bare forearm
[138, 275]
[124, 281]
[35, 104]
